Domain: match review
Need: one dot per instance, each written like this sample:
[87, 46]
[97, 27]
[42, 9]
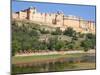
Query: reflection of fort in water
[86, 58]
[56, 20]
[63, 64]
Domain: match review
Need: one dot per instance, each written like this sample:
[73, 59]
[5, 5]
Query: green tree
[59, 45]
[51, 43]
[90, 36]
[86, 44]
[70, 46]
[16, 46]
[69, 32]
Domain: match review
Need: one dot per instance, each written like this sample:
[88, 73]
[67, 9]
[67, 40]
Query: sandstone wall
[15, 15]
[56, 20]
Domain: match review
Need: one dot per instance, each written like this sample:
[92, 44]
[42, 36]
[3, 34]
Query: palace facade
[55, 20]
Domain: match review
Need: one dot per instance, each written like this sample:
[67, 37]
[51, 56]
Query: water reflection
[54, 65]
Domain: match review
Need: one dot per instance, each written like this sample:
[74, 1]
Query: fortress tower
[30, 13]
[59, 18]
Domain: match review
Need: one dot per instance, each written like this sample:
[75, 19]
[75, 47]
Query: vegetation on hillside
[29, 36]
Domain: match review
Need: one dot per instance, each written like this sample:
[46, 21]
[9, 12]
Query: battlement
[56, 19]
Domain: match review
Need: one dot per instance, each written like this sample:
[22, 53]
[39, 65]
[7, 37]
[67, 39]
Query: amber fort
[57, 19]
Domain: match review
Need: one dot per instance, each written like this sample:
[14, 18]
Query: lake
[62, 64]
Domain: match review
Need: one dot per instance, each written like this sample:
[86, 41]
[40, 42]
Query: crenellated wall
[56, 19]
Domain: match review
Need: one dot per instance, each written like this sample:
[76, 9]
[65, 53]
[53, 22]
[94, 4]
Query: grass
[26, 59]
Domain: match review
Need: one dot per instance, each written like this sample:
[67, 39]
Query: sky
[86, 12]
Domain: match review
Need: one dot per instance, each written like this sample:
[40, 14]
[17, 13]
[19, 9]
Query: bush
[57, 32]
[44, 31]
[86, 44]
[69, 32]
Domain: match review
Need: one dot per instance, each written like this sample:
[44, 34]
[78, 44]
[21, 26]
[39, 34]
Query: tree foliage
[70, 32]
[26, 36]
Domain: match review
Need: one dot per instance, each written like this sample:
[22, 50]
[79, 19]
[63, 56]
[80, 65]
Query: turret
[60, 18]
[30, 12]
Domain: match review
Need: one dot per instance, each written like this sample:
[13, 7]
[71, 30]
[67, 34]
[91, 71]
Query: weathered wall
[15, 15]
[56, 20]
[22, 15]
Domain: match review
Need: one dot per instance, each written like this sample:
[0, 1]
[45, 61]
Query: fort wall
[56, 19]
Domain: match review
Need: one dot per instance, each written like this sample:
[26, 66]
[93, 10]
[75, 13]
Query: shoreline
[55, 52]
[47, 58]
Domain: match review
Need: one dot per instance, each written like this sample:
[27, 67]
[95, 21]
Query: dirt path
[55, 52]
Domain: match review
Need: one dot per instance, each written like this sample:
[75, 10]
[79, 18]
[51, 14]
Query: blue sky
[84, 11]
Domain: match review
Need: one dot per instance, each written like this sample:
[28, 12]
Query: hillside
[27, 35]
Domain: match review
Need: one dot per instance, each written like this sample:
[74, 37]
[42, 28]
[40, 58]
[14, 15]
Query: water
[64, 64]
